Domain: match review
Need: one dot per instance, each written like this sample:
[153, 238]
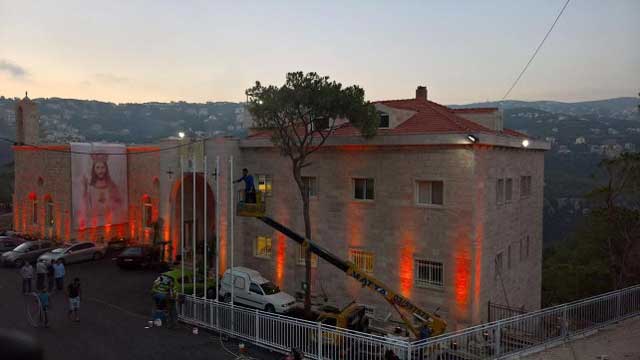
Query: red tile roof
[429, 118]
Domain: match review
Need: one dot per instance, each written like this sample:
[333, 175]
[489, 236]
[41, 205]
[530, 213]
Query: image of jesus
[101, 197]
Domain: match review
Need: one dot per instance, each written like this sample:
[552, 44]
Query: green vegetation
[301, 115]
[604, 252]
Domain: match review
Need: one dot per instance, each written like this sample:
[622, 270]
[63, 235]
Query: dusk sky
[463, 51]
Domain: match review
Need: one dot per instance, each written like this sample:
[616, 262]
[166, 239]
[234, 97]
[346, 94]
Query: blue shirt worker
[249, 187]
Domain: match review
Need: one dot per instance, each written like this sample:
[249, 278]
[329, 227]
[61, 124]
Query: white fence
[498, 339]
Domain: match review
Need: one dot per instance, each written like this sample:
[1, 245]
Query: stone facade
[478, 246]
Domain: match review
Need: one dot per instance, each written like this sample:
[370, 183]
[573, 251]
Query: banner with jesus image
[99, 184]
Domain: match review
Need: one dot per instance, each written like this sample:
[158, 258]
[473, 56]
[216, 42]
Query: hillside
[580, 133]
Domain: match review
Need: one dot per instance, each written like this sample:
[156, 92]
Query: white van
[251, 289]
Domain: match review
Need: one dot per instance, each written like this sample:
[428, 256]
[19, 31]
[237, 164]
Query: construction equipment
[405, 308]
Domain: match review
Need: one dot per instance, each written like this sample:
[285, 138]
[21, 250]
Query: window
[384, 120]
[254, 288]
[301, 259]
[147, 213]
[363, 260]
[509, 257]
[498, 265]
[363, 189]
[508, 194]
[239, 282]
[527, 251]
[34, 211]
[264, 184]
[525, 186]
[500, 191]
[48, 215]
[310, 186]
[428, 273]
[429, 192]
[262, 247]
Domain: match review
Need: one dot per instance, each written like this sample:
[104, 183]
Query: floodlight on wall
[472, 138]
[181, 134]
[525, 143]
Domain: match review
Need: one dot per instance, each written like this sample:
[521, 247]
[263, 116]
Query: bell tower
[27, 122]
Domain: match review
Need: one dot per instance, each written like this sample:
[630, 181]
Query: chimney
[421, 93]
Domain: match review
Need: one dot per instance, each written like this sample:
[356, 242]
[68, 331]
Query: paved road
[619, 341]
[115, 308]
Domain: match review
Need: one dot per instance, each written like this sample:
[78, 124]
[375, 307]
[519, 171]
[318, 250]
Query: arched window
[34, 207]
[49, 219]
[147, 212]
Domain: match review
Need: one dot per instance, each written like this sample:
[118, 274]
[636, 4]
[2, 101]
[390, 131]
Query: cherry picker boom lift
[401, 304]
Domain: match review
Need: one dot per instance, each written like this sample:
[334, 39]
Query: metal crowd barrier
[508, 337]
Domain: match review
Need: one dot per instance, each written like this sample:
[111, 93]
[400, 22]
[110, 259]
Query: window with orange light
[264, 183]
[363, 260]
[262, 247]
[301, 258]
[428, 273]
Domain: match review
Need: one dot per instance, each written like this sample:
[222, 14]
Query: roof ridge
[453, 117]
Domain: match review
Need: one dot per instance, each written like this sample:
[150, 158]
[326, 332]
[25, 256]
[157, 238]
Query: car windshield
[269, 288]
[59, 250]
[22, 248]
[132, 251]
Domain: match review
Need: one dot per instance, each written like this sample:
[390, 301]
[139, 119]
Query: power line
[46, 148]
[536, 52]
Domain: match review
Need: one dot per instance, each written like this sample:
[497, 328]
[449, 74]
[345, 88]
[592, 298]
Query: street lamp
[181, 134]
[525, 143]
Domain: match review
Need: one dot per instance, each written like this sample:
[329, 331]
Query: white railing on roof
[520, 334]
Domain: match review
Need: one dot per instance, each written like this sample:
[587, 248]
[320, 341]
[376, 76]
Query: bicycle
[36, 315]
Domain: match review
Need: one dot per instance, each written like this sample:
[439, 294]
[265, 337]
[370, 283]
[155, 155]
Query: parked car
[175, 277]
[141, 256]
[73, 253]
[251, 289]
[26, 252]
[8, 243]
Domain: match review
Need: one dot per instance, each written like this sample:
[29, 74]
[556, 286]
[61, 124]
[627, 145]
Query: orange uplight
[462, 277]
[280, 257]
[407, 249]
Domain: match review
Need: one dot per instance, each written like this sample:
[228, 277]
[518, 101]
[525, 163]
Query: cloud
[110, 78]
[12, 69]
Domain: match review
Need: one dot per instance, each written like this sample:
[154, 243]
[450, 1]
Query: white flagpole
[205, 177]
[182, 219]
[193, 224]
[217, 200]
[231, 216]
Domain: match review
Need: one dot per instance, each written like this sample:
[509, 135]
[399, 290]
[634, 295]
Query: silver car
[26, 252]
[72, 253]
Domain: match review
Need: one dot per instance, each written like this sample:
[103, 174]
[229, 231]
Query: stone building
[443, 205]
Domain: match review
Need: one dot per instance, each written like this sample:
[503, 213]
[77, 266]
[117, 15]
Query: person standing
[73, 293]
[171, 306]
[26, 271]
[249, 187]
[41, 273]
[50, 277]
[58, 273]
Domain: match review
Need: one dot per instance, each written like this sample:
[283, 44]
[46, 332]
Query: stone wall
[391, 226]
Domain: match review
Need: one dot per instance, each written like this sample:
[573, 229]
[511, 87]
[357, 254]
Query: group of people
[52, 273]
